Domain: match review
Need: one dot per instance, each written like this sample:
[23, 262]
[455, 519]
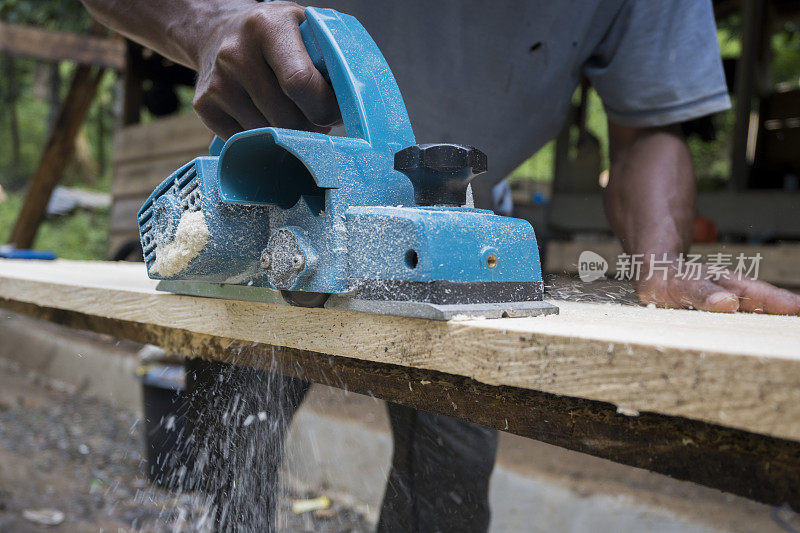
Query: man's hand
[649, 202]
[253, 69]
[721, 291]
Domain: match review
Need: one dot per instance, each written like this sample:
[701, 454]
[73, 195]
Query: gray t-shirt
[500, 75]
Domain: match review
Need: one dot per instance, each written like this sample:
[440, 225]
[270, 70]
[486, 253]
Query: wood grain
[740, 371]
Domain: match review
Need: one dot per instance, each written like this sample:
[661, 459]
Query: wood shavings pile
[190, 238]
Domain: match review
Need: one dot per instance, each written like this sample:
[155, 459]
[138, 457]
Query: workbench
[710, 398]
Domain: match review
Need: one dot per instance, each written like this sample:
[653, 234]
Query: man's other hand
[649, 202]
[721, 291]
[254, 71]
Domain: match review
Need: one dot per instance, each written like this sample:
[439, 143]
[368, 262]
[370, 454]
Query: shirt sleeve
[659, 64]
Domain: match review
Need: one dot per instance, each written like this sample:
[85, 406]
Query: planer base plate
[409, 309]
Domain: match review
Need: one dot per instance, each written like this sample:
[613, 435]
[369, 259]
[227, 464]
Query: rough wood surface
[60, 46]
[740, 371]
[720, 390]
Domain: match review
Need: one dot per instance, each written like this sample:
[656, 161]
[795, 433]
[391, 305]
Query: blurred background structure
[138, 125]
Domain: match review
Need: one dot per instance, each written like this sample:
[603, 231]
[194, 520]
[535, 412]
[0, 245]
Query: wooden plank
[575, 380]
[710, 398]
[107, 52]
[736, 370]
[57, 152]
[778, 263]
[164, 137]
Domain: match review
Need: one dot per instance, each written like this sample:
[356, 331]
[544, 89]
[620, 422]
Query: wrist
[658, 248]
[641, 233]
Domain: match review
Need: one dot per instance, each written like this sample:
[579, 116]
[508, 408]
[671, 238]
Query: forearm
[175, 29]
[650, 197]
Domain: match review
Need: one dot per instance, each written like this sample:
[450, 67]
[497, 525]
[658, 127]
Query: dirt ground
[62, 452]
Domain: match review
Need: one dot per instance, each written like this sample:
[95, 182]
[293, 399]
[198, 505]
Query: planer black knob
[440, 173]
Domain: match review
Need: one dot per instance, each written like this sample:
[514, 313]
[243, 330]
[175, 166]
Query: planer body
[369, 222]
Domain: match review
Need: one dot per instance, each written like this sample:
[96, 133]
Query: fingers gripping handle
[370, 102]
[313, 50]
[316, 57]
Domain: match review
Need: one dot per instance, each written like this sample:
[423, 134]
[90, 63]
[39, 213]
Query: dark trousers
[238, 417]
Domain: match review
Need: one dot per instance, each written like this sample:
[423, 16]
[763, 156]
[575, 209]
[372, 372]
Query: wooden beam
[710, 398]
[57, 152]
[752, 16]
[107, 52]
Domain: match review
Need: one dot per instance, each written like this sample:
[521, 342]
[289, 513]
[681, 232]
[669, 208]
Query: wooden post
[133, 94]
[60, 146]
[53, 96]
[94, 49]
[752, 14]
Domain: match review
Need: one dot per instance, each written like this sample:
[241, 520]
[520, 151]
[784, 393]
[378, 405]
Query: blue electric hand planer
[370, 222]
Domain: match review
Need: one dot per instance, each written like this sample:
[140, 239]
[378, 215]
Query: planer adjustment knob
[441, 172]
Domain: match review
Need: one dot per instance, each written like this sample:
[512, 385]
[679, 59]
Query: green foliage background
[81, 235]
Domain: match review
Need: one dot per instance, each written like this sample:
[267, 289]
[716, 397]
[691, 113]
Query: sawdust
[190, 238]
